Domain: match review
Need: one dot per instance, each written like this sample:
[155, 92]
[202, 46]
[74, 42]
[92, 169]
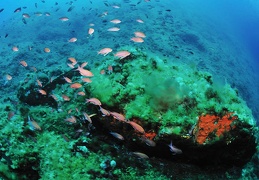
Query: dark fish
[1, 10]
[6, 35]
[91, 2]
[43, 1]
[18, 9]
[36, 5]
[168, 10]
[71, 8]
[24, 21]
[56, 3]
[106, 4]
[24, 7]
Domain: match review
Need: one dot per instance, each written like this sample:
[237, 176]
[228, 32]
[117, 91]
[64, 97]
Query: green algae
[153, 90]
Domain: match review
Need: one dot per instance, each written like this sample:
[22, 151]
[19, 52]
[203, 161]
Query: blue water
[210, 25]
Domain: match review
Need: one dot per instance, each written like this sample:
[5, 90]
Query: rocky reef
[147, 107]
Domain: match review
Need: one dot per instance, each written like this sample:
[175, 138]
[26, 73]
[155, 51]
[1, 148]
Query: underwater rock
[165, 100]
[30, 95]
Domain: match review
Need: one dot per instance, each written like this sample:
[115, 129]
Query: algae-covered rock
[176, 102]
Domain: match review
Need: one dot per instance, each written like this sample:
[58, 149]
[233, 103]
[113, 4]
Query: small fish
[25, 15]
[39, 83]
[24, 21]
[90, 31]
[139, 20]
[63, 19]
[115, 21]
[137, 39]
[65, 97]
[87, 117]
[117, 135]
[113, 29]
[71, 119]
[73, 60]
[81, 93]
[110, 69]
[87, 80]
[41, 91]
[136, 126]
[140, 155]
[46, 50]
[17, 10]
[105, 51]
[1, 10]
[174, 149]
[76, 85]
[23, 63]
[84, 72]
[118, 116]
[6, 35]
[33, 124]
[104, 111]
[94, 101]
[71, 8]
[72, 40]
[139, 34]
[122, 54]
[15, 48]
[67, 79]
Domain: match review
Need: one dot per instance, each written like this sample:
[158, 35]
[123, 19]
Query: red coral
[208, 124]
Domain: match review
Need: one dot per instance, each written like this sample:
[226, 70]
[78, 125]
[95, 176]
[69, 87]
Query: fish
[25, 15]
[136, 126]
[76, 85]
[113, 29]
[84, 72]
[65, 97]
[36, 5]
[70, 9]
[46, 50]
[118, 116]
[72, 39]
[137, 39]
[6, 35]
[24, 21]
[105, 51]
[17, 10]
[15, 48]
[174, 149]
[41, 91]
[67, 79]
[139, 34]
[1, 10]
[87, 117]
[23, 63]
[33, 124]
[87, 80]
[71, 119]
[94, 101]
[140, 155]
[117, 135]
[90, 31]
[104, 111]
[115, 21]
[63, 19]
[122, 54]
